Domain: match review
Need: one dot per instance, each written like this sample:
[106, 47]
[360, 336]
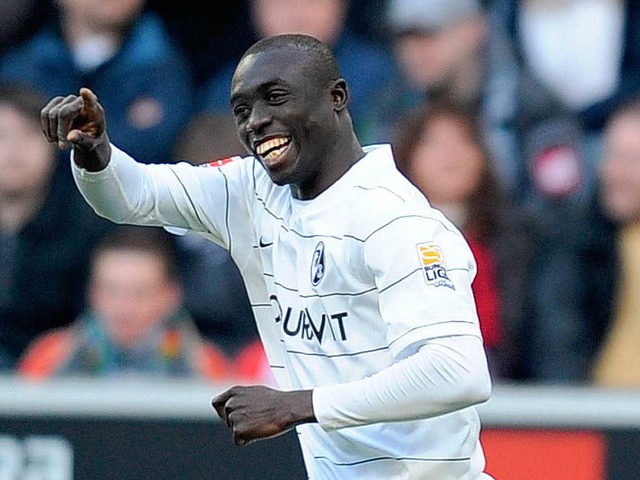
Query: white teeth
[272, 143]
[273, 154]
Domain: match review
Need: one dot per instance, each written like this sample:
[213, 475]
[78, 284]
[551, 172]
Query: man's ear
[340, 94]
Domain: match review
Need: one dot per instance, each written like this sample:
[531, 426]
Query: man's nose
[259, 118]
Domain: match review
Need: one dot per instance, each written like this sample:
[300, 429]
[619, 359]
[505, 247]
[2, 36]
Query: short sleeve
[423, 269]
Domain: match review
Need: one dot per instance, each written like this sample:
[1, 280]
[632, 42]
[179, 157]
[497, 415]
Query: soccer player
[361, 291]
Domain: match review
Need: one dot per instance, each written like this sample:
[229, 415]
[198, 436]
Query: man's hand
[79, 120]
[257, 412]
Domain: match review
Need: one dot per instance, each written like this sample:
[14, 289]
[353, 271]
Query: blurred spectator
[459, 50]
[442, 151]
[453, 49]
[135, 323]
[366, 65]
[125, 55]
[619, 359]
[211, 41]
[593, 70]
[574, 275]
[572, 278]
[46, 229]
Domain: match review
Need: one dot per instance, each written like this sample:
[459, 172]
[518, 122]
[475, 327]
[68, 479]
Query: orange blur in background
[544, 454]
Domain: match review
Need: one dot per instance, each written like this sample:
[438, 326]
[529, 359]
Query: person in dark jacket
[46, 229]
[455, 50]
[124, 53]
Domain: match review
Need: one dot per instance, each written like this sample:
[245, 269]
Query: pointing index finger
[89, 99]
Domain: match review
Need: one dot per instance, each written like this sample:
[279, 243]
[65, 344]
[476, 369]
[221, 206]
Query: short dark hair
[152, 240]
[321, 59]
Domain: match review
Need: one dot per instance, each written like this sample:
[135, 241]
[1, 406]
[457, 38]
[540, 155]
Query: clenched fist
[257, 412]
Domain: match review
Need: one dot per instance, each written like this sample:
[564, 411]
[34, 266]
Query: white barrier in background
[510, 405]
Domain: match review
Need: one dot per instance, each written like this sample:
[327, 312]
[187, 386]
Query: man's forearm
[445, 375]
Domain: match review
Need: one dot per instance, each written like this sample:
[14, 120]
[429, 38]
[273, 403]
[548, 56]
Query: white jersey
[342, 286]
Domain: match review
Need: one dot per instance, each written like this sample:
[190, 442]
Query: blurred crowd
[520, 119]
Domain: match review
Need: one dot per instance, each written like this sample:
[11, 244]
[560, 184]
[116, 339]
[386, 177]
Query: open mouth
[272, 150]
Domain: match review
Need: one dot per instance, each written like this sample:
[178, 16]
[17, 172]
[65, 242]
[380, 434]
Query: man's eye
[240, 111]
[276, 97]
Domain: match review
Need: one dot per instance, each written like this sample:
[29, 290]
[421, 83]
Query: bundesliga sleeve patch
[433, 265]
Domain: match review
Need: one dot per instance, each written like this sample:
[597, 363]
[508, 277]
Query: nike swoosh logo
[264, 244]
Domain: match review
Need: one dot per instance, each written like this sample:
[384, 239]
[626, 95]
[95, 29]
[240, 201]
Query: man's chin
[282, 173]
[279, 176]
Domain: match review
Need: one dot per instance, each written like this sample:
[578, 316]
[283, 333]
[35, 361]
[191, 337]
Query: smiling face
[286, 114]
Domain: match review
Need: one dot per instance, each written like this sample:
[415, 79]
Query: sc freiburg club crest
[317, 264]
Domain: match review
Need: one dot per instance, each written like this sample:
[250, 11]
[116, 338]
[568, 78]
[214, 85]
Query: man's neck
[337, 162]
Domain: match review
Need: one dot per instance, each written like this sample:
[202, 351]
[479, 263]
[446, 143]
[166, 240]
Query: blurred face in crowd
[620, 168]
[446, 163]
[322, 19]
[431, 59]
[26, 158]
[102, 14]
[131, 293]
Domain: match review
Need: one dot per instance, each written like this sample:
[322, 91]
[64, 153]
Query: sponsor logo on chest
[303, 324]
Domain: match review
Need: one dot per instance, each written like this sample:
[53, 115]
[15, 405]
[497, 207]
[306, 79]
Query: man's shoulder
[219, 162]
[379, 182]
[381, 194]
[228, 163]
[248, 170]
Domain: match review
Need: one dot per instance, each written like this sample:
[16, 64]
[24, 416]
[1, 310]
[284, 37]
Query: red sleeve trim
[220, 162]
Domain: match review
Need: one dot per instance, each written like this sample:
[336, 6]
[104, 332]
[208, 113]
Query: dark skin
[275, 95]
